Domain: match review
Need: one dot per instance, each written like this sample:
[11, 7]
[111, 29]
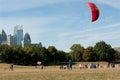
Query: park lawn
[54, 73]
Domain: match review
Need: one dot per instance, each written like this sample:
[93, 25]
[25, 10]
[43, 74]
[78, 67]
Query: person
[97, 65]
[113, 65]
[108, 66]
[11, 67]
[42, 66]
[80, 66]
[92, 65]
[38, 64]
[61, 67]
[86, 66]
[70, 64]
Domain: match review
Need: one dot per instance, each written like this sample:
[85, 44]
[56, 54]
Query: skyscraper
[3, 37]
[11, 40]
[27, 39]
[18, 32]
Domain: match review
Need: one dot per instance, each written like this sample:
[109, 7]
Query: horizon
[62, 23]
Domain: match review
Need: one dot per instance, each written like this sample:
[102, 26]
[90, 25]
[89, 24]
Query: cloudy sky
[62, 23]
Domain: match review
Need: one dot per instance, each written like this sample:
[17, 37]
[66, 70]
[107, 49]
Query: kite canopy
[94, 10]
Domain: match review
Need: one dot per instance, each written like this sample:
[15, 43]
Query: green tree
[46, 56]
[6, 53]
[104, 51]
[61, 56]
[32, 53]
[53, 51]
[18, 55]
[76, 52]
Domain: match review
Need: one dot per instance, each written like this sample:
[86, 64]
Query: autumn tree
[88, 54]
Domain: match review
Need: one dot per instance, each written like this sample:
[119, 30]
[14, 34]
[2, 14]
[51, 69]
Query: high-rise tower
[27, 39]
[18, 33]
[3, 37]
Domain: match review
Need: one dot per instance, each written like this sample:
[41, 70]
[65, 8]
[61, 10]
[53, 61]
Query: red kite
[94, 10]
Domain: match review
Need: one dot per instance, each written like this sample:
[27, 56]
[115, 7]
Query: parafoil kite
[94, 10]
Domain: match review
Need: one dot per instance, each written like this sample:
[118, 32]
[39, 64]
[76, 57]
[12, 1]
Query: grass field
[54, 73]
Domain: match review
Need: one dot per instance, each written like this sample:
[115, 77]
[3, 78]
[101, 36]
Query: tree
[31, 54]
[88, 54]
[6, 53]
[104, 51]
[45, 56]
[76, 52]
[61, 56]
[53, 51]
[18, 54]
[117, 55]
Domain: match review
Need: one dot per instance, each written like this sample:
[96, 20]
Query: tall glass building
[27, 39]
[18, 32]
[11, 40]
[3, 37]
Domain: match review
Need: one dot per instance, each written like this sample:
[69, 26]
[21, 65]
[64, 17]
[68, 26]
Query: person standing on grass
[70, 64]
[12, 67]
[97, 65]
[80, 66]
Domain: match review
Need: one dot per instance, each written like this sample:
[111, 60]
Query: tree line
[29, 55]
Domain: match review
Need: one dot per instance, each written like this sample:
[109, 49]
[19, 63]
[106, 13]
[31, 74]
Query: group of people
[69, 65]
[39, 65]
[81, 66]
[112, 65]
[84, 66]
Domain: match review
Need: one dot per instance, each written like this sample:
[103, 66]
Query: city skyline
[62, 23]
[17, 38]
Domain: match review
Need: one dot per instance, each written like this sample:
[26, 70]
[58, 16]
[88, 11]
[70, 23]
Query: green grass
[53, 73]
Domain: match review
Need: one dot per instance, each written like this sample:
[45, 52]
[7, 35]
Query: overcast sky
[62, 23]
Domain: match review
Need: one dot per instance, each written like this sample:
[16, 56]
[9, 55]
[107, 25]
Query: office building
[11, 40]
[3, 37]
[18, 33]
[27, 39]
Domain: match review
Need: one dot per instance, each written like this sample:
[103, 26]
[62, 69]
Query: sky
[62, 23]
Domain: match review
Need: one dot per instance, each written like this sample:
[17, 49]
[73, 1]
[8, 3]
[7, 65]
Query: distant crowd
[85, 66]
[70, 66]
